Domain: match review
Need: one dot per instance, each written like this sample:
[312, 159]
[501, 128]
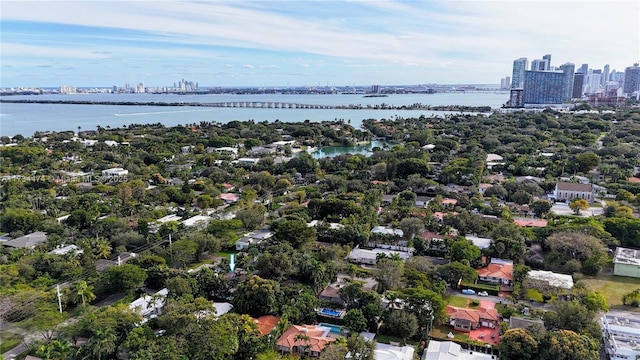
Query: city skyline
[309, 43]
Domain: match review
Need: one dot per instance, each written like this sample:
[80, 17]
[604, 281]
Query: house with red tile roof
[448, 201]
[229, 198]
[466, 319]
[499, 273]
[531, 222]
[266, 323]
[304, 339]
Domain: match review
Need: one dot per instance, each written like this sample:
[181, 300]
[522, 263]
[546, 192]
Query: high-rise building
[584, 69]
[578, 82]
[540, 65]
[515, 98]
[605, 75]
[505, 83]
[544, 87]
[517, 78]
[631, 79]
[547, 58]
[568, 70]
[592, 82]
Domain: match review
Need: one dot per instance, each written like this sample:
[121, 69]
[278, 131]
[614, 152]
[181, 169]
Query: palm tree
[100, 248]
[102, 344]
[303, 349]
[84, 291]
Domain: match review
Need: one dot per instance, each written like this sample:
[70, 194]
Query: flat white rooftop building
[621, 334]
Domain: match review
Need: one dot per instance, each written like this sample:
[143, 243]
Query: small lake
[332, 151]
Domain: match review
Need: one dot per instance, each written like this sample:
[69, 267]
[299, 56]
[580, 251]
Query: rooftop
[27, 241]
[499, 271]
[566, 186]
[448, 350]
[554, 279]
[627, 256]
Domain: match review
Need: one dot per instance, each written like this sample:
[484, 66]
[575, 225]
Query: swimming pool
[330, 312]
[335, 329]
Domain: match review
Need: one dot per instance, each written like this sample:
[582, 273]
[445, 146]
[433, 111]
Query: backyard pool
[335, 329]
[330, 312]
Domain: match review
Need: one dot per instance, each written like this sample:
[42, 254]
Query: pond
[333, 151]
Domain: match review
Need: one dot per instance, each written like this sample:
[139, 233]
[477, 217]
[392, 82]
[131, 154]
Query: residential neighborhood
[458, 237]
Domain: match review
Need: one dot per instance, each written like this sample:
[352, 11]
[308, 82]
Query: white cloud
[479, 38]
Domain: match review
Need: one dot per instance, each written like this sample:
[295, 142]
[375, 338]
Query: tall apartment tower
[631, 79]
[584, 69]
[547, 58]
[544, 87]
[517, 78]
[540, 65]
[605, 75]
[578, 83]
[568, 70]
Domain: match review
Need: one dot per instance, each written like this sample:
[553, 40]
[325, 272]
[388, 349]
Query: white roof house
[386, 231]
[149, 306]
[370, 256]
[448, 350]
[391, 352]
[197, 220]
[115, 172]
[65, 250]
[480, 242]
[552, 279]
[171, 217]
[254, 237]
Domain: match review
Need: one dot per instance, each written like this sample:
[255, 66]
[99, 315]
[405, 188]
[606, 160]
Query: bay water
[28, 118]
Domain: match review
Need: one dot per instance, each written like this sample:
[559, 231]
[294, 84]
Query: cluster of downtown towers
[545, 85]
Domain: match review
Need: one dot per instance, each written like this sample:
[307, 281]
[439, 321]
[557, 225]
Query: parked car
[468, 292]
[483, 293]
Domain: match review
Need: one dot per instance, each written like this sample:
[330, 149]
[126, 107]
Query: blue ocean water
[26, 119]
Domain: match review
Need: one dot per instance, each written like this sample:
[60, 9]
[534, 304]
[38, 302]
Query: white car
[483, 293]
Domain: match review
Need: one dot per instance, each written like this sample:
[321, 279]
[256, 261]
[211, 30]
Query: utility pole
[59, 297]
[171, 248]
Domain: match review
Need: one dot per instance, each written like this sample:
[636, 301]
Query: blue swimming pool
[334, 328]
[330, 312]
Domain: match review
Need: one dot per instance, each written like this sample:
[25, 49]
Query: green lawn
[613, 287]
[387, 339]
[9, 341]
[458, 301]
[205, 261]
[441, 332]
[534, 294]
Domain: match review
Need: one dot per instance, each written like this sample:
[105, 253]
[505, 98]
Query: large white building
[570, 191]
[621, 334]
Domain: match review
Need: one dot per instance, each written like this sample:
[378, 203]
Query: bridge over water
[268, 105]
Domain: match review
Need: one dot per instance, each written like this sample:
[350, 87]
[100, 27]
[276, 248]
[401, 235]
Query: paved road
[500, 300]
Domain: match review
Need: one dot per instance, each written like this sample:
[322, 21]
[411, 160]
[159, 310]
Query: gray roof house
[28, 241]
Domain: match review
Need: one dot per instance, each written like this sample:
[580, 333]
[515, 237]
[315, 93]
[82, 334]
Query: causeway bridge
[268, 105]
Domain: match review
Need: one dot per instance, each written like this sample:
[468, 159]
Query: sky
[304, 42]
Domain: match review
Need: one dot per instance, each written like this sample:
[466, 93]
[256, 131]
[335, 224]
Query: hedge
[490, 289]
